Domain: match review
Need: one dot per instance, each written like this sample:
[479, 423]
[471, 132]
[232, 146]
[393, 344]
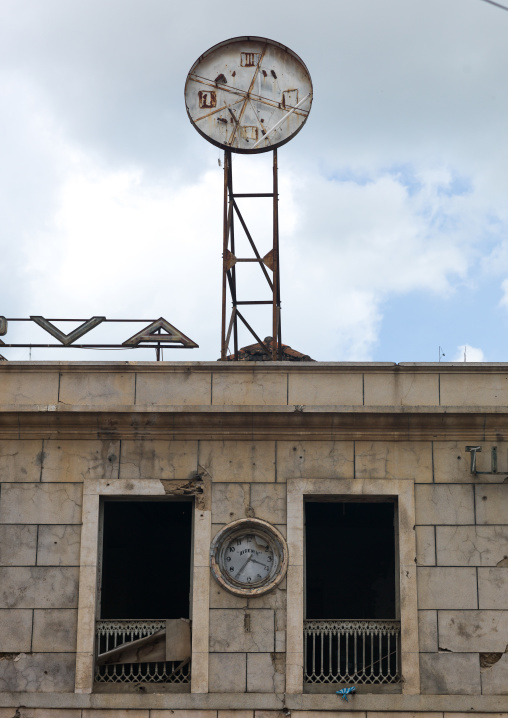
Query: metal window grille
[359, 652]
[111, 634]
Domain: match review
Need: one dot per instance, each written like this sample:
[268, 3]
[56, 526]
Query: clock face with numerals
[248, 557]
[248, 94]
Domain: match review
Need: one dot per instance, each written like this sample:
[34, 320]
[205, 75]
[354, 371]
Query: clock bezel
[241, 527]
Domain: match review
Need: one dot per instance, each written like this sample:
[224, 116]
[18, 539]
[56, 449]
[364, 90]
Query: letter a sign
[160, 331]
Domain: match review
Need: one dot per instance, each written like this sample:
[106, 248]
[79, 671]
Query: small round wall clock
[249, 557]
[248, 94]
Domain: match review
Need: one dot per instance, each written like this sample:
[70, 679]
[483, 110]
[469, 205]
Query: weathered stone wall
[62, 426]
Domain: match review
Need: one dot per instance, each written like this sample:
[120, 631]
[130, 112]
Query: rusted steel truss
[269, 261]
[157, 334]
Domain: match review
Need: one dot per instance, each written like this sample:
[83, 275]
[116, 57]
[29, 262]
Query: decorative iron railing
[113, 634]
[359, 652]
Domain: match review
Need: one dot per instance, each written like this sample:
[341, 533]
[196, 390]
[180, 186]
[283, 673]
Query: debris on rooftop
[255, 352]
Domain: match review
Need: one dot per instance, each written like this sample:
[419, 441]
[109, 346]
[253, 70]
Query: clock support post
[269, 265]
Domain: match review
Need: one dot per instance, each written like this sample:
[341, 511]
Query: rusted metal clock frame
[269, 265]
[248, 95]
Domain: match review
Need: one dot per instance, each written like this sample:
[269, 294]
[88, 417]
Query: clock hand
[244, 106]
[281, 120]
[237, 91]
[258, 562]
[244, 565]
[218, 109]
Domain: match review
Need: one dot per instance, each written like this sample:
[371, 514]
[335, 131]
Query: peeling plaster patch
[11, 656]
[487, 660]
[199, 487]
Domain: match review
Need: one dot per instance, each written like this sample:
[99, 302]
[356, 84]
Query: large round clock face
[248, 557]
[248, 94]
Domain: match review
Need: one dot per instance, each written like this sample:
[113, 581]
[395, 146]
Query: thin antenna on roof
[441, 353]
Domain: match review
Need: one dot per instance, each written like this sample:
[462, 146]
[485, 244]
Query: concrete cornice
[286, 424]
[268, 366]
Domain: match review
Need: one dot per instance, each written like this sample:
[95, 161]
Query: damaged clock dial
[249, 557]
[248, 94]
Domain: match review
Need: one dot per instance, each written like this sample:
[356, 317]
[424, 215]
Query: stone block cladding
[461, 521]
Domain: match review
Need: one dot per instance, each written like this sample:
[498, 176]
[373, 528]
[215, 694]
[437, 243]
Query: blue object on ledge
[345, 691]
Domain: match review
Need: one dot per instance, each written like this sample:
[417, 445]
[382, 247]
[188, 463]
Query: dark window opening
[146, 560]
[350, 560]
[351, 634]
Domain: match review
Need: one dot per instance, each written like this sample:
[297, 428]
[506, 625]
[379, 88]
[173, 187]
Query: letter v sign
[67, 339]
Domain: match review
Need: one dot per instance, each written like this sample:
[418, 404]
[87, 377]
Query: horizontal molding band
[261, 701]
[256, 426]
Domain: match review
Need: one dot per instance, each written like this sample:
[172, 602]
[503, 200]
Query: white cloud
[111, 203]
[465, 352]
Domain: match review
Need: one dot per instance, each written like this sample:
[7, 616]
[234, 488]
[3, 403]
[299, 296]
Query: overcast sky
[393, 197]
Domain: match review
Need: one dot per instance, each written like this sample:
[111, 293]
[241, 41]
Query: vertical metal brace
[229, 260]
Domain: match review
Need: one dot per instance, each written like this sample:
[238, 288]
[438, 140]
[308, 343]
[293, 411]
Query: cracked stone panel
[266, 673]
[446, 588]
[447, 504]
[128, 713]
[427, 631]
[20, 460]
[450, 673]
[58, 545]
[466, 631]
[256, 387]
[232, 461]
[24, 387]
[172, 713]
[41, 504]
[233, 714]
[493, 588]
[276, 598]
[38, 587]
[401, 389]
[394, 460]
[315, 460]
[474, 389]
[158, 459]
[39, 672]
[15, 630]
[101, 389]
[491, 503]
[325, 389]
[495, 678]
[18, 545]
[406, 714]
[472, 545]
[234, 630]
[54, 630]
[74, 460]
[425, 546]
[268, 502]
[219, 598]
[230, 502]
[452, 462]
[227, 673]
[175, 388]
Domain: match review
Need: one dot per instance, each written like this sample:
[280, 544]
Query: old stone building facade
[388, 485]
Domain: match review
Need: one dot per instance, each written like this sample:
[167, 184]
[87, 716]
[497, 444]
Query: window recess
[352, 622]
[143, 634]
